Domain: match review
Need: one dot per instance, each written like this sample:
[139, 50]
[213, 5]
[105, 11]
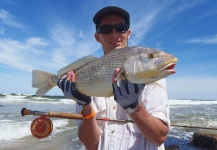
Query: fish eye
[152, 55]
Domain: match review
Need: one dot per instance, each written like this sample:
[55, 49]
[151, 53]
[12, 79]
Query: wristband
[89, 116]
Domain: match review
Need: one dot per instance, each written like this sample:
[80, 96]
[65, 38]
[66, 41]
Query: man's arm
[88, 131]
[153, 128]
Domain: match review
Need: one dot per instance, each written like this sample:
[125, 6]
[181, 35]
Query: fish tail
[44, 81]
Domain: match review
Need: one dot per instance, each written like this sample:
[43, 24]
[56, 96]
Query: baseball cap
[109, 10]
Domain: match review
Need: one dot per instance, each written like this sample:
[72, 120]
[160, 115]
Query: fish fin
[44, 81]
[120, 77]
[77, 64]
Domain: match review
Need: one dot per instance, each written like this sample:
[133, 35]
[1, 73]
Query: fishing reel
[41, 127]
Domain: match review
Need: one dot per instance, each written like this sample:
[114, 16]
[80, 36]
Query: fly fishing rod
[42, 126]
[195, 127]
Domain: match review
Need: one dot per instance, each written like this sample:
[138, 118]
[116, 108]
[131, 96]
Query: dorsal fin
[77, 64]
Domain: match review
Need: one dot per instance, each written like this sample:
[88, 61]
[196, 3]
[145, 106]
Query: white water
[13, 126]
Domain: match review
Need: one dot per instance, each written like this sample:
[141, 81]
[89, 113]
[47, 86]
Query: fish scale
[99, 74]
[94, 75]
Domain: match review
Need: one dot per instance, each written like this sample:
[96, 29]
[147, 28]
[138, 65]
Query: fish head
[147, 65]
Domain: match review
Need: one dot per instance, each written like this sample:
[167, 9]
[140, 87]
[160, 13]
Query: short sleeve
[155, 101]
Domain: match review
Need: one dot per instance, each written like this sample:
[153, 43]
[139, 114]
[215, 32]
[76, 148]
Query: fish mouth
[168, 68]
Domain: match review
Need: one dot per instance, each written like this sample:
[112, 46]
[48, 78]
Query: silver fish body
[139, 65]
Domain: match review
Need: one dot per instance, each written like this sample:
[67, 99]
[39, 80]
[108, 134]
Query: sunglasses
[106, 29]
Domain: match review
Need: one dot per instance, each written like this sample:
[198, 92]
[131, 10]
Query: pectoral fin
[120, 77]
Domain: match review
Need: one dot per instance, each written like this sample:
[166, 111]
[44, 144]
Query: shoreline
[15, 129]
[68, 140]
[173, 143]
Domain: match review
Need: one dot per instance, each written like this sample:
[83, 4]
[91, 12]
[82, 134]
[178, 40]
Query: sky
[49, 34]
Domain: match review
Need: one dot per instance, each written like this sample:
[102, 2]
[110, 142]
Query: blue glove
[70, 91]
[127, 93]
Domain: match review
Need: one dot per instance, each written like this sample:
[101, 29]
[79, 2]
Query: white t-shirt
[126, 136]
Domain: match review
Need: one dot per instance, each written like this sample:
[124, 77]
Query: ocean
[15, 129]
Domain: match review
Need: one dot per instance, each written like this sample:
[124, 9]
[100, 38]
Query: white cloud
[9, 19]
[24, 56]
[64, 46]
[70, 44]
[143, 21]
[152, 14]
[205, 40]
[208, 14]
[62, 35]
[81, 34]
[180, 6]
[140, 28]
[36, 41]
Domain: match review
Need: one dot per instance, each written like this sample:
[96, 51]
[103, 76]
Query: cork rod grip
[64, 115]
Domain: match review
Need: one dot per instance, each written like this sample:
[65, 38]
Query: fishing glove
[70, 91]
[126, 94]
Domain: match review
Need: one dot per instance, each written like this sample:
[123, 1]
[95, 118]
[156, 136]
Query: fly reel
[41, 127]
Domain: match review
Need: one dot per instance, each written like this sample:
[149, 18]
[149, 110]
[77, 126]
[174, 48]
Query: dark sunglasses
[106, 29]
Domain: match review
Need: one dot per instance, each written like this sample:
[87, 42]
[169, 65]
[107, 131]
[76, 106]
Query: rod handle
[25, 111]
[65, 115]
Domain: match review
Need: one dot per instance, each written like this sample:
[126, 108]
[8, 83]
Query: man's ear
[97, 37]
[128, 34]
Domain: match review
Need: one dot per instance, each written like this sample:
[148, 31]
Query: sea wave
[17, 97]
[20, 98]
[13, 130]
[177, 102]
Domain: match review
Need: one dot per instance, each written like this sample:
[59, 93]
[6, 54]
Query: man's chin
[118, 47]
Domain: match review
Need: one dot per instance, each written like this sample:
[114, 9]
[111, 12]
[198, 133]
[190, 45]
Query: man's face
[113, 40]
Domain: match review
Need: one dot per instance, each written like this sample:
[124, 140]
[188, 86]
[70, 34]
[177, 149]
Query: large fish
[94, 75]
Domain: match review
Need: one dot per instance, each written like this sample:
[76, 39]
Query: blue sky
[49, 34]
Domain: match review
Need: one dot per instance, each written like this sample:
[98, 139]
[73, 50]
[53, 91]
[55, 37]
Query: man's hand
[126, 93]
[67, 85]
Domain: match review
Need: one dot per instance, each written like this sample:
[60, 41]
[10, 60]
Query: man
[146, 105]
